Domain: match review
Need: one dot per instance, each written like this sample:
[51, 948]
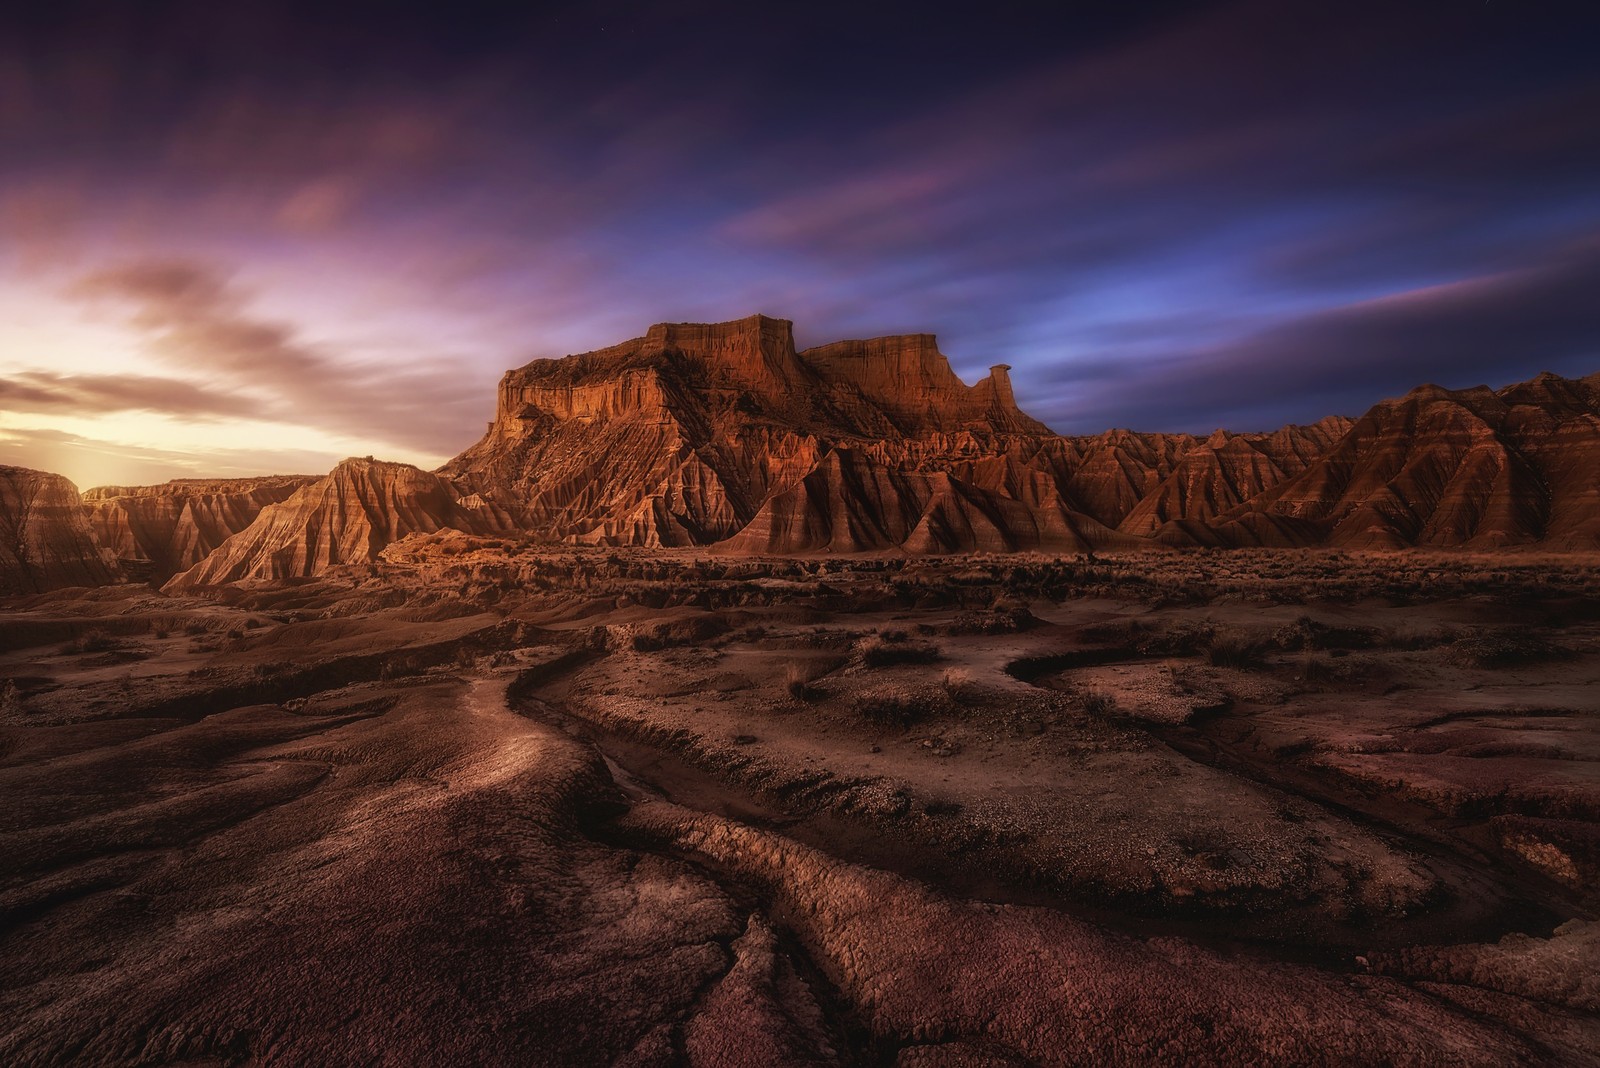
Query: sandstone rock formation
[45, 540]
[1225, 471]
[850, 504]
[726, 435]
[347, 517]
[1474, 468]
[702, 433]
[158, 531]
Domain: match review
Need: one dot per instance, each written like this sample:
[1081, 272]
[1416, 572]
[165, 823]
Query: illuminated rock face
[725, 435]
[1475, 468]
[45, 539]
[157, 531]
[346, 518]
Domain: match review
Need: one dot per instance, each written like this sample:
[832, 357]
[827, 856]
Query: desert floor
[487, 802]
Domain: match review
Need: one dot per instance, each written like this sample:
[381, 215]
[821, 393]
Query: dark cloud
[1492, 330]
[45, 391]
[195, 319]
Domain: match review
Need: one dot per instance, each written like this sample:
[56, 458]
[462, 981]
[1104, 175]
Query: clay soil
[487, 802]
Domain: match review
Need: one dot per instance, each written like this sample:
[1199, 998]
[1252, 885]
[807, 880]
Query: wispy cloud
[1490, 329]
[45, 391]
[195, 319]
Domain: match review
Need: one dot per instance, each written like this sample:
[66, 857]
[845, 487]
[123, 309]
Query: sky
[258, 237]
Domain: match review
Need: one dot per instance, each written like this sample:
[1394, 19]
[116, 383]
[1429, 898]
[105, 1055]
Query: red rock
[45, 539]
[1446, 468]
[158, 531]
[346, 518]
[725, 434]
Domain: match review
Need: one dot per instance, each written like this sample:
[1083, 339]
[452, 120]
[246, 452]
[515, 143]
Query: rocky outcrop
[45, 540]
[1474, 468]
[702, 433]
[850, 504]
[1227, 470]
[346, 518]
[726, 435]
[157, 531]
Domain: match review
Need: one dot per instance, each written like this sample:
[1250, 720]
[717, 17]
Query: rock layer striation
[726, 435]
[46, 542]
[157, 531]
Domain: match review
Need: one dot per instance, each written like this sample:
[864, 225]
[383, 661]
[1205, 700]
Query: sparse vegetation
[800, 682]
[92, 641]
[893, 647]
[676, 632]
[893, 706]
[1504, 649]
[960, 686]
[1232, 649]
[1095, 703]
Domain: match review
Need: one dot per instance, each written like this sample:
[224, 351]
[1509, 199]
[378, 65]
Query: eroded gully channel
[1485, 899]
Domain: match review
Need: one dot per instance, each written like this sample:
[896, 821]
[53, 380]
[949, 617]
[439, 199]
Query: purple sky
[254, 237]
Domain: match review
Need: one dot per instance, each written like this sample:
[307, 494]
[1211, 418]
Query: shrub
[1425, 638]
[800, 682]
[92, 641]
[1307, 634]
[960, 687]
[890, 707]
[893, 648]
[994, 621]
[1233, 650]
[1503, 649]
[1098, 704]
[1317, 669]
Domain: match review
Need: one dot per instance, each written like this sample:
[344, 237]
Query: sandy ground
[488, 803]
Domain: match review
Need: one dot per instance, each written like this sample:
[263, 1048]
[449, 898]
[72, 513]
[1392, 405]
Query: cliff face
[723, 434]
[157, 531]
[1445, 468]
[850, 504]
[45, 540]
[346, 518]
[1225, 471]
[681, 437]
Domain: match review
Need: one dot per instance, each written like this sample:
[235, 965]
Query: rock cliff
[45, 539]
[346, 518]
[695, 431]
[684, 435]
[157, 531]
[726, 435]
[1474, 468]
[1225, 471]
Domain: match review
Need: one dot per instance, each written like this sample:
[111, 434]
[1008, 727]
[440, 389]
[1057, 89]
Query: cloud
[46, 391]
[1492, 329]
[196, 319]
